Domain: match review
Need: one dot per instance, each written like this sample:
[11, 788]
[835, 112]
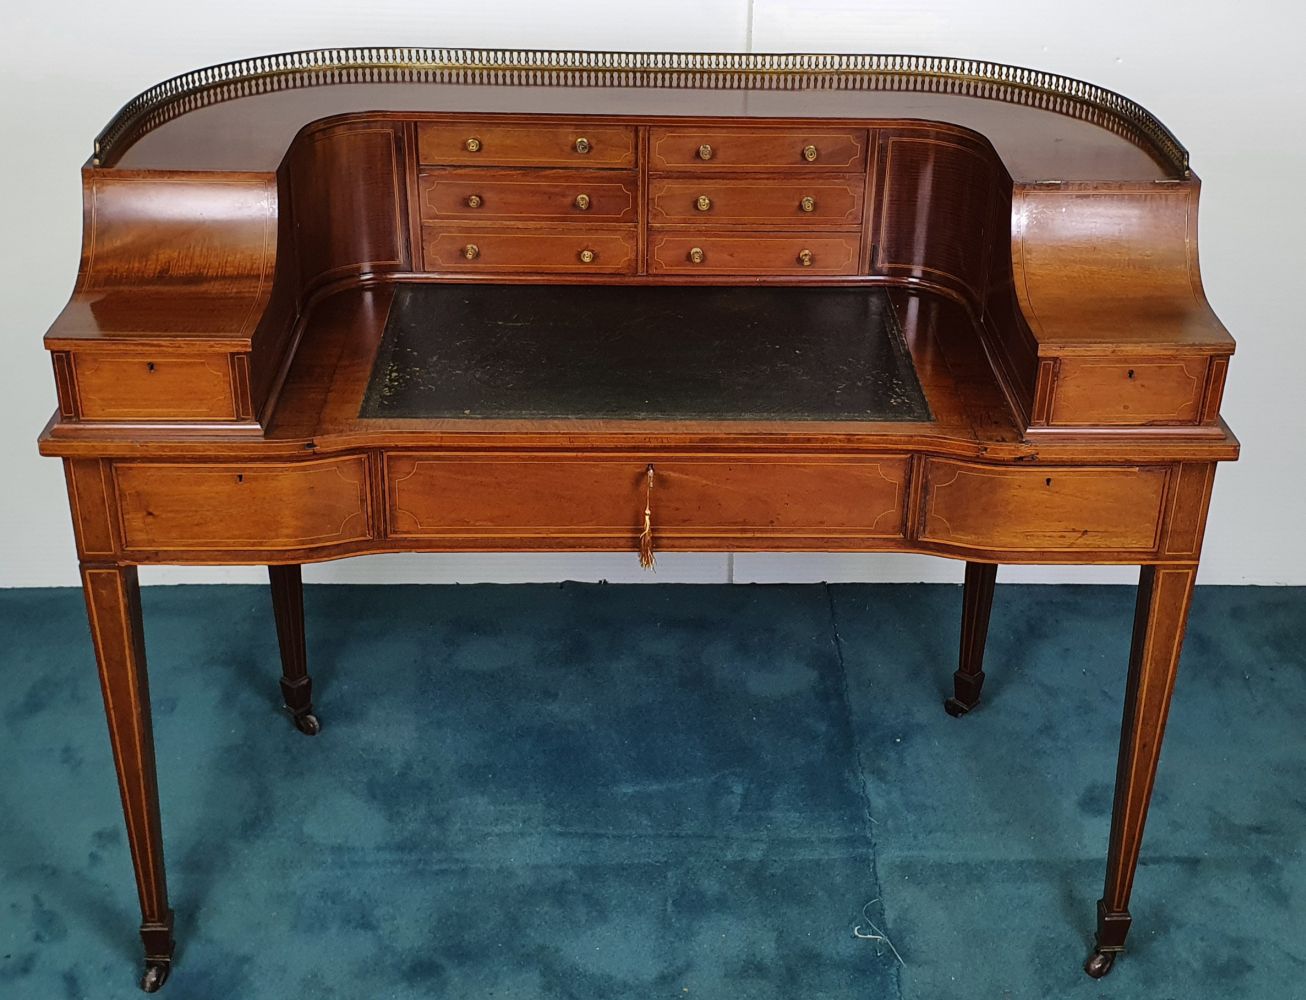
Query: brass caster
[1099, 963]
[308, 724]
[156, 974]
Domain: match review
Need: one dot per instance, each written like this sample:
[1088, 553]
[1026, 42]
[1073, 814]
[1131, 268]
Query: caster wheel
[308, 724]
[156, 974]
[956, 708]
[1099, 963]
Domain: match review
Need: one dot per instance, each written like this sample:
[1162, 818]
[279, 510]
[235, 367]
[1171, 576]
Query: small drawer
[504, 144]
[497, 251]
[738, 253]
[740, 149]
[1091, 391]
[186, 507]
[527, 196]
[600, 502]
[785, 204]
[986, 508]
[151, 387]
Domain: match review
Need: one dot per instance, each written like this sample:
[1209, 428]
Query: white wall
[1223, 76]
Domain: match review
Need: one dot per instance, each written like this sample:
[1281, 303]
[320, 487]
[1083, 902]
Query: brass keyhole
[705, 152]
[471, 251]
[587, 256]
[703, 203]
[583, 202]
[808, 204]
[696, 255]
[473, 201]
[473, 145]
[1131, 373]
[809, 153]
[149, 366]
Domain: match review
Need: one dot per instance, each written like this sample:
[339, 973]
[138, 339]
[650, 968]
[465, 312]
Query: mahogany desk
[379, 300]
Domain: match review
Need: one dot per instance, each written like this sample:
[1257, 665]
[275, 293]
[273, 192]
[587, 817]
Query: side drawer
[986, 507]
[1091, 391]
[527, 196]
[677, 252]
[684, 148]
[497, 251]
[792, 204]
[217, 506]
[809, 502]
[161, 386]
[473, 142]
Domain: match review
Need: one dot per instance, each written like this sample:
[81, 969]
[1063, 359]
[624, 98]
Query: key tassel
[646, 557]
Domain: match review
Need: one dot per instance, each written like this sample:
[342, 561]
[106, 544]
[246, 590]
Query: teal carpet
[609, 793]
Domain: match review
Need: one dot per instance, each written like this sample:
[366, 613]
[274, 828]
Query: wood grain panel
[231, 506]
[524, 251]
[935, 212]
[162, 385]
[522, 144]
[746, 149]
[1045, 509]
[1128, 392]
[773, 202]
[446, 496]
[727, 252]
[531, 196]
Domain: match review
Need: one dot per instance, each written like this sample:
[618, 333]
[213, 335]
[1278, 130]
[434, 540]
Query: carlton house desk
[378, 300]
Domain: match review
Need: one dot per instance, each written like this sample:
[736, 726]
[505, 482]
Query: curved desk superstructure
[336, 303]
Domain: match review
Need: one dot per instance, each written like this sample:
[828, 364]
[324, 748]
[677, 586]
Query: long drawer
[494, 195]
[189, 506]
[499, 251]
[794, 204]
[679, 252]
[685, 148]
[602, 500]
[983, 507]
[510, 144]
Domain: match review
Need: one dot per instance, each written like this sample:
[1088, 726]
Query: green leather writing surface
[481, 351]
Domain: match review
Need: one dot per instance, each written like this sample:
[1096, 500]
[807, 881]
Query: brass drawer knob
[473, 145]
[587, 256]
[582, 145]
[809, 153]
[696, 255]
[808, 204]
[805, 257]
[471, 251]
[703, 203]
[705, 152]
[473, 201]
[583, 202]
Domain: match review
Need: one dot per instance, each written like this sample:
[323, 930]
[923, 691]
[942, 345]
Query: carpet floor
[588, 792]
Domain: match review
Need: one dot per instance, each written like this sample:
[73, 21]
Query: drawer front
[1141, 391]
[154, 387]
[736, 253]
[1044, 509]
[496, 251]
[455, 195]
[183, 507]
[775, 203]
[682, 149]
[485, 143]
[603, 500]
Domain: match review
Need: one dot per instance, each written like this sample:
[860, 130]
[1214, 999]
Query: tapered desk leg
[113, 604]
[296, 685]
[976, 603]
[1164, 595]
